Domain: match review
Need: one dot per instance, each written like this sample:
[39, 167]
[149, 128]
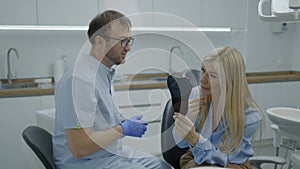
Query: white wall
[267, 51]
[38, 51]
[296, 49]
[262, 49]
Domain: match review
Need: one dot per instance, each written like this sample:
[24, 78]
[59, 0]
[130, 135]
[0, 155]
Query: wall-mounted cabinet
[178, 13]
[16, 12]
[134, 8]
[66, 12]
[190, 11]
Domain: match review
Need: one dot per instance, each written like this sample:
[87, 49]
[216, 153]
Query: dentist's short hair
[100, 24]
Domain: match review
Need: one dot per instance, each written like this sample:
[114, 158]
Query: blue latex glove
[134, 126]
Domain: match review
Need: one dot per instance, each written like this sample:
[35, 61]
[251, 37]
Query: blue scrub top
[83, 99]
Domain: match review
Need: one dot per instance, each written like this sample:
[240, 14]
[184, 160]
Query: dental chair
[171, 153]
[40, 141]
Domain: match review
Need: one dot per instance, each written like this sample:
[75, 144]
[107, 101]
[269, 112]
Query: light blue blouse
[206, 149]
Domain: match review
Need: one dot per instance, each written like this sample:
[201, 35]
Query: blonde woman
[222, 116]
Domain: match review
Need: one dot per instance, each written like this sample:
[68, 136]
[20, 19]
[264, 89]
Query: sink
[287, 119]
[19, 85]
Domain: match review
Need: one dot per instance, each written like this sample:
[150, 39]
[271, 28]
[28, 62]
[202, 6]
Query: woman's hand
[185, 128]
[193, 109]
[195, 105]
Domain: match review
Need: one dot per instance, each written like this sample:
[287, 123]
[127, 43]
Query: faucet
[170, 57]
[9, 74]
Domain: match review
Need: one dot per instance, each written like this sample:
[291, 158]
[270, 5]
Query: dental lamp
[295, 5]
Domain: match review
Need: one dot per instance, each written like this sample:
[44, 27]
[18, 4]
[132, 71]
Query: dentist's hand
[134, 126]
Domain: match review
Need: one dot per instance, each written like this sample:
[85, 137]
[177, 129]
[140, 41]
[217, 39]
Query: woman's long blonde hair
[234, 96]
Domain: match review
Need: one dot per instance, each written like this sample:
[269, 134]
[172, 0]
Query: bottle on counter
[59, 69]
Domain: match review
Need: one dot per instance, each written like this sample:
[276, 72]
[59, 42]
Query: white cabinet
[178, 13]
[45, 118]
[135, 9]
[18, 12]
[66, 12]
[47, 102]
[150, 142]
[16, 115]
[225, 13]
[190, 11]
[151, 104]
[208, 13]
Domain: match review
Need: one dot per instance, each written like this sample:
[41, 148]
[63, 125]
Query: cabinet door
[66, 12]
[16, 115]
[15, 12]
[135, 9]
[135, 98]
[47, 102]
[151, 104]
[225, 13]
[151, 139]
[150, 142]
[190, 11]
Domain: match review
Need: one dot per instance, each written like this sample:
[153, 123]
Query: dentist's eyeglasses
[124, 41]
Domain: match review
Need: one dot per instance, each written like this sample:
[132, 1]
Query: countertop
[149, 81]
[268, 77]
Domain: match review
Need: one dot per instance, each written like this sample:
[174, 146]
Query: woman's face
[209, 80]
